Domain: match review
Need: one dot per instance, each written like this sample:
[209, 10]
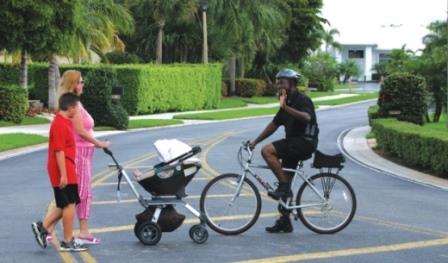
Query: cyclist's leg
[272, 153]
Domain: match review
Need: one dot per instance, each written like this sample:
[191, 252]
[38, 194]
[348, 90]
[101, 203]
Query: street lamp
[204, 6]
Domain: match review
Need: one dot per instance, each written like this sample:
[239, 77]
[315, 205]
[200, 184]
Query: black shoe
[40, 233]
[71, 246]
[283, 191]
[283, 224]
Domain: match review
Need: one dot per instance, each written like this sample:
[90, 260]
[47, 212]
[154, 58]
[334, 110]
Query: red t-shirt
[61, 139]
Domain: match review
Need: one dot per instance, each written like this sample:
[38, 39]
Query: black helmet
[288, 74]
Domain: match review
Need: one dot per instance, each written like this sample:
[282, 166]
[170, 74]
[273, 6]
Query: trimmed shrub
[13, 103]
[98, 102]
[413, 144]
[260, 87]
[271, 90]
[246, 87]
[116, 57]
[155, 88]
[405, 95]
[373, 114]
[9, 74]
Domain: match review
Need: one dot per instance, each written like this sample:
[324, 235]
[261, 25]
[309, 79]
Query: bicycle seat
[322, 160]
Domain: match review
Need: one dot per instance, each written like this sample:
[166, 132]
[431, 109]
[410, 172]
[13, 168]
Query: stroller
[167, 188]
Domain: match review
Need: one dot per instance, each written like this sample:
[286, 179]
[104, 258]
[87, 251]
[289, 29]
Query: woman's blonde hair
[68, 82]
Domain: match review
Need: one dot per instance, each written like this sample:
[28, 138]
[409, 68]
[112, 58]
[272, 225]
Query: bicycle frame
[297, 173]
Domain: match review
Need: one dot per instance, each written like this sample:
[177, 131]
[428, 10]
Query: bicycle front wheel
[329, 203]
[226, 210]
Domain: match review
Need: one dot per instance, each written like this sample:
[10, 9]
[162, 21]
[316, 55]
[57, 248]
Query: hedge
[13, 103]
[373, 113]
[247, 87]
[415, 145]
[155, 88]
[405, 94]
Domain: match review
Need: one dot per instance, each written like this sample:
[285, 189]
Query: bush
[98, 102]
[260, 87]
[13, 103]
[321, 71]
[155, 88]
[246, 87]
[9, 74]
[116, 57]
[415, 145]
[373, 114]
[404, 94]
[271, 90]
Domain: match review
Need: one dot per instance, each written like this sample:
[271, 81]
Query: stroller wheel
[199, 234]
[136, 227]
[148, 233]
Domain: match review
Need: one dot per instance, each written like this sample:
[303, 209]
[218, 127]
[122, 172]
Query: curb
[342, 148]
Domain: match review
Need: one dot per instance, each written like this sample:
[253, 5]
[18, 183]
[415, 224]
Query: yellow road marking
[186, 222]
[112, 202]
[354, 251]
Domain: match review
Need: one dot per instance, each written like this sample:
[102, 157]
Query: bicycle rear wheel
[226, 211]
[332, 214]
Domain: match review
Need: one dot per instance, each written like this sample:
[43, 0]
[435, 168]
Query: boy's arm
[60, 160]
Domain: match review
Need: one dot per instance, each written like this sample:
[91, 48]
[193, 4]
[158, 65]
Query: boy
[61, 170]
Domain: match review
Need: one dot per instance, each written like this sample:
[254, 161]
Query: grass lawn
[439, 126]
[346, 86]
[231, 114]
[144, 123]
[360, 97]
[232, 102]
[26, 121]
[11, 141]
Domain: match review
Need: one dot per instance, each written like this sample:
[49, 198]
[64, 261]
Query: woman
[83, 125]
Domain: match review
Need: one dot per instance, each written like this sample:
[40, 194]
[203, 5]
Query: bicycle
[325, 202]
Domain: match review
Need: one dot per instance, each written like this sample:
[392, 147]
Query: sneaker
[282, 225]
[71, 246]
[88, 240]
[40, 233]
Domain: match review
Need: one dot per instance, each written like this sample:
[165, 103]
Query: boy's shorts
[66, 196]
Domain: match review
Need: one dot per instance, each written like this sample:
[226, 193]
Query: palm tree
[329, 40]
[100, 24]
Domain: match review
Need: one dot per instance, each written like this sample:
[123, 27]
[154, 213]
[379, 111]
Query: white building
[365, 55]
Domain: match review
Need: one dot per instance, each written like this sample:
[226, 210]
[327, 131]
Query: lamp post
[204, 6]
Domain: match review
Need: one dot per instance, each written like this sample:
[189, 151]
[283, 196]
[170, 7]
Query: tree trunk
[52, 80]
[24, 69]
[241, 68]
[232, 69]
[159, 51]
[204, 40]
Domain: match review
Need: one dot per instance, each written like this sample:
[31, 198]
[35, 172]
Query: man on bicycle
[297, 115]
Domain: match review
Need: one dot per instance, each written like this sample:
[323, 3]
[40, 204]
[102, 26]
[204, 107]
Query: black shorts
[66, 196]
[293, 150]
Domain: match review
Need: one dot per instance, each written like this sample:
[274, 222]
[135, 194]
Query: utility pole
[204, 6]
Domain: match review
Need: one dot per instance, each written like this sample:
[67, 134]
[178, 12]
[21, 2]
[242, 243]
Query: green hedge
[13, 103]
[373, 113]
[97, 99]
[415, 145]
[406, 94]
[155, 88]
[247, 87]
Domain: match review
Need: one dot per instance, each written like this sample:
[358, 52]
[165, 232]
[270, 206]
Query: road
[396, 221]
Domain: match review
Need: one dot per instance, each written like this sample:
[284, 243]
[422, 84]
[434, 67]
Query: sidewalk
[355, 145]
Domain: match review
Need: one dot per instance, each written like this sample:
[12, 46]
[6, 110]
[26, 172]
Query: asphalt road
[396, 221]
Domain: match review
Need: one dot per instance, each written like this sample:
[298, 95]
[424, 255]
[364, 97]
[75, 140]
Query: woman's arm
[81, 131]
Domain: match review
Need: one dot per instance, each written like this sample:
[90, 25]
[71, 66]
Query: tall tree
[329, 40]
[22, 24]
[303, 32]
[99, 26]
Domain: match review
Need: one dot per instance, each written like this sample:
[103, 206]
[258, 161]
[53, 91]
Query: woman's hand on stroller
[103, 144]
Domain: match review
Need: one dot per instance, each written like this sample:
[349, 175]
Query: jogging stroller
[166, 184]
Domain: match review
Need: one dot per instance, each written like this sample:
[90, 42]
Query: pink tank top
[88, 123]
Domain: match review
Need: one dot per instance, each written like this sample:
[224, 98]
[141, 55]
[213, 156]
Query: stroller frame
[149, 233]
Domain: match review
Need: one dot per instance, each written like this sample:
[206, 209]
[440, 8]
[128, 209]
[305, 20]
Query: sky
[369, 21]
